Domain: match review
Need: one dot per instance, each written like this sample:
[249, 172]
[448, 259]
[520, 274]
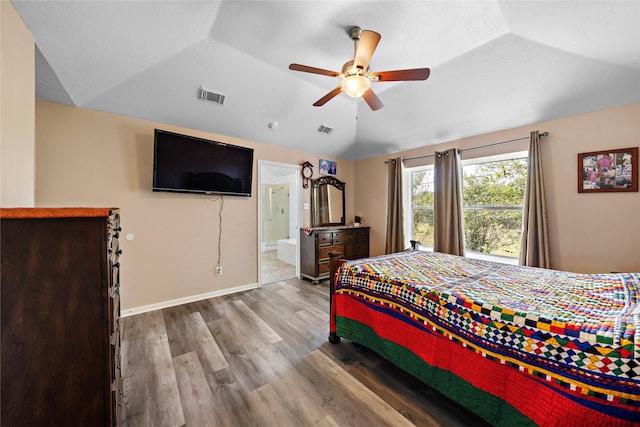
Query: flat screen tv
[186, 164]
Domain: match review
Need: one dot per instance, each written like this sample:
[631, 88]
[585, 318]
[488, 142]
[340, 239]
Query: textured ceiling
[494, 65]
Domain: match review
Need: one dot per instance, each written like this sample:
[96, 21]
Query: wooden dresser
[317, 242]
[60, 317]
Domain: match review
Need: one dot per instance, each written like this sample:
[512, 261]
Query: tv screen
[186, 164]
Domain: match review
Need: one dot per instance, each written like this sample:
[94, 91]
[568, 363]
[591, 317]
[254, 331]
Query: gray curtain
[448, 222]
[395, 228]
[534, 245]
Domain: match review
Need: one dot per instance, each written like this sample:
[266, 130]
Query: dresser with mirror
[328, 231]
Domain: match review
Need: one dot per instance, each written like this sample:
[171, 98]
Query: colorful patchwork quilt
[572, 340]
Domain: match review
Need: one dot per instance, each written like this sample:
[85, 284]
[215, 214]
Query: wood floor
[261, 358]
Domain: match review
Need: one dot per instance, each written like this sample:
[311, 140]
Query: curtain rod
[543, 134]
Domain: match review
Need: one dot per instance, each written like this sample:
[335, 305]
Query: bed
[515, 345]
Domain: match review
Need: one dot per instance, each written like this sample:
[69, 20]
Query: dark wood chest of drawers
[60, 317]
[351, 242]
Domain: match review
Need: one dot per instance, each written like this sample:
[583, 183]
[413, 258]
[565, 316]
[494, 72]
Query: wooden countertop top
[65, 212]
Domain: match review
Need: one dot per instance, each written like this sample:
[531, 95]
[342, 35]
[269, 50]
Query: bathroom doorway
[278, 219]
[275, 211]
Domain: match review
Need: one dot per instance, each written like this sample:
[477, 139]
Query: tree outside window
[493, 198]
[422, 206]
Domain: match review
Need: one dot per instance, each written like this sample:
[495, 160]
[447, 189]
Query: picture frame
[608, 171]
[328, 167]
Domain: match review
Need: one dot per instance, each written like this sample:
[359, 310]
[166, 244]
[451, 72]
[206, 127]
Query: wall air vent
[325, 129]
[205, 95]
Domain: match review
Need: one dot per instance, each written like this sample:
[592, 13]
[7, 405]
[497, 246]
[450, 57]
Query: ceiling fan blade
[372, 99]
[402, 75]
[366, 46]
[320, 102]
[314, 70]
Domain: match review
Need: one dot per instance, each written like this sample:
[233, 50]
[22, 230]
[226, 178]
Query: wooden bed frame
[334, 264]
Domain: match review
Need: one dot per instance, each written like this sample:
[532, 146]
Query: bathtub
[287, 250]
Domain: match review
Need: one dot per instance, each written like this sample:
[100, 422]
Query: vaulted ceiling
[494, 65]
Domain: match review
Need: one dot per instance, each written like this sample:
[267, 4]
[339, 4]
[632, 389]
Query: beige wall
[17, 111]
[89, 158]
[588, 232]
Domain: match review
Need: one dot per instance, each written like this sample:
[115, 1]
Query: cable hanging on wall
[219, 263]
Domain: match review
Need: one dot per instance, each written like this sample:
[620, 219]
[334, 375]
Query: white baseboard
[185, 300]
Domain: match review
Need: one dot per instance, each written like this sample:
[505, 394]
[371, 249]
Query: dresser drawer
[115, 310]
[116, 359]
[324, 237]
[323, 253]
[343, 236]
[114, 250]
[362, 235]
[323, 267]
[115, 276]
[357, 250]
[116, 401]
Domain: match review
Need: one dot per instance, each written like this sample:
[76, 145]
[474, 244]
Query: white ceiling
[494, 65]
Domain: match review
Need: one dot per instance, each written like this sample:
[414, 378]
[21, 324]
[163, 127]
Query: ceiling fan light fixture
[355, 86]
[356, 76]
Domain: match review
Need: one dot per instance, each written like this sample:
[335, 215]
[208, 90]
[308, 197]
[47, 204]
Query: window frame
[409, 208]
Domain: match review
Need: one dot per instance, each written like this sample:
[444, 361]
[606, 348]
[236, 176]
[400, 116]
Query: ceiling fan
[356, 76]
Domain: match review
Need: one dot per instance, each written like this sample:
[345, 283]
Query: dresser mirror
[327, 202]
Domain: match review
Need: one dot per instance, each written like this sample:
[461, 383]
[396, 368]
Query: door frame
[263, 166]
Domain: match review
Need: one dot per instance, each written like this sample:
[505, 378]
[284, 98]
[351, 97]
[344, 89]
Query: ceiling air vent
[325, 129]
[205, 95]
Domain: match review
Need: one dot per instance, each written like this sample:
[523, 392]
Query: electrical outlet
[219, 270]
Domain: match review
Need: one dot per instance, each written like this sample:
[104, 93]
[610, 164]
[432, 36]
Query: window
[492, 198]
[419, 223]
[492, 202]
